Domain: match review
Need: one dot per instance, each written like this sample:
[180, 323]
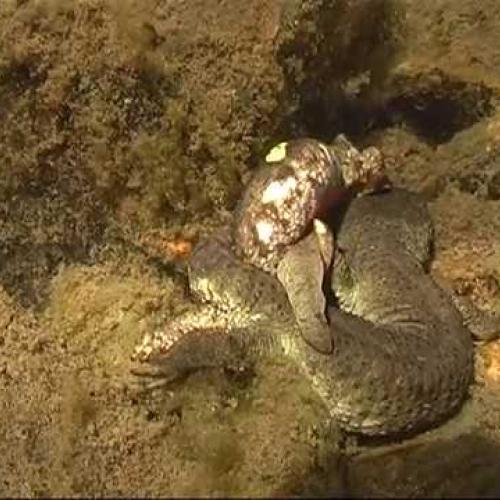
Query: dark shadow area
[333, 44]
[434, 112]
[464, 467]
[340, 83]
[46, 221]
[435, 106]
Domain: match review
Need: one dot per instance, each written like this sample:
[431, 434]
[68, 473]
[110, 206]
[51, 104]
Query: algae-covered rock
[127, 129]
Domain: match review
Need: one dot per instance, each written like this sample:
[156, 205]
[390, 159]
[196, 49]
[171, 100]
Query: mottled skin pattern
[301, 173]
[411, 351]
[280, 203]
[402, 365]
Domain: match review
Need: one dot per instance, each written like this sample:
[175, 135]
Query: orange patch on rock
[166, 246]
[180, 248]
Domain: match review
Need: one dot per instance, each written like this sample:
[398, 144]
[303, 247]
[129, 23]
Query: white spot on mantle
[264, 230]
[279, 190]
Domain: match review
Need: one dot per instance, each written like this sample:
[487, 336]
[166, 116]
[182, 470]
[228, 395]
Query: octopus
[402, 357]
[304, 180]
[279, 205]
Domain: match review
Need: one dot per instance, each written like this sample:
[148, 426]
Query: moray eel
[402, 360]
[279, 205]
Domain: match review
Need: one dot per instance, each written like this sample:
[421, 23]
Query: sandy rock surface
[129, 128]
